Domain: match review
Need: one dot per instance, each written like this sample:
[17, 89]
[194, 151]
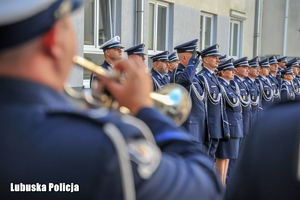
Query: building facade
[240, 27]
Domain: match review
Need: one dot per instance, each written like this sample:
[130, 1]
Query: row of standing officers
[227, 96]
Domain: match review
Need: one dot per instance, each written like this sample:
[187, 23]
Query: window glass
[161, 28]
[235, 40]
[208, 30]
[89, 16]
[105, 21]
[151, 27]
[158, 22]
[235, 37]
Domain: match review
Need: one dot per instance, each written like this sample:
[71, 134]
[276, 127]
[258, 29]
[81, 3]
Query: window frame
[94, 49]
[202, 36]
[156, 4]
[239, 38]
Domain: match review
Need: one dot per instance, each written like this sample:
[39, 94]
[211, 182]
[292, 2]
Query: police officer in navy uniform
[136, 51]
[264, 84]
[281, 66]
[218, 127]
[241, 72]
[185, 75]
[286, 90]
[45, 140]
[253, 72]
[268, 165]
[112, 50]
[297, 76]
[238, 83]
[294, 65]
[233, 108]
[272, 77]
[160, 70]
[172, 64]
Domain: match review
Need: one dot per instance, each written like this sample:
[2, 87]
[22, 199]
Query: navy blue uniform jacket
[296, 87]
[255, 99]
[266, 91]
[234, 114]
[244, 95]
[286, 91]
[158, 80]
[45, 140]
[196, 121]
[105, 65]
[216, 115]
[276, 88]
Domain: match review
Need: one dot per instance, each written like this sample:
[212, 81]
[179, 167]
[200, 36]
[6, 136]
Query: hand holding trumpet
[129, 86]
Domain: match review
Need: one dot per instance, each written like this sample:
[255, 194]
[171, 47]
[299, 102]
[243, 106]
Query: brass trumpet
[172, 100]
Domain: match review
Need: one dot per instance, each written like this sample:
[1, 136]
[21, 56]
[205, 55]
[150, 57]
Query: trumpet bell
[174, 101]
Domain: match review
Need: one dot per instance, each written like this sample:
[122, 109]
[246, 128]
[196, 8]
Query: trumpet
[172, 100]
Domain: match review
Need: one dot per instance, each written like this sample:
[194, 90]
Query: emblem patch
[146, 155]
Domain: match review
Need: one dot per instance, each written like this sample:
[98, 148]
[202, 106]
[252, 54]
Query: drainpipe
[286, 19]
[139, 26]
[257, 28]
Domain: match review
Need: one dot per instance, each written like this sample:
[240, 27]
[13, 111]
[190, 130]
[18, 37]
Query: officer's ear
[48, 39]
[204, 60]
[50, 42]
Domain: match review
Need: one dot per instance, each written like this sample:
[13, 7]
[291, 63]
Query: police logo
[146, 155]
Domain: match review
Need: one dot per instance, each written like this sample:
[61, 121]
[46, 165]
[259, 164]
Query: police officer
[286, 90]
[218, 127]
[159, 70]
[241, 72]
[298, 75]
[272, 77]
[172, 64]
[281, 66]
[253, 72]
[112, 50]
[185, 75]
[294, 65]
[97, 153]
[233, 108]
[264, 85]
[136, 51]
[238, 83]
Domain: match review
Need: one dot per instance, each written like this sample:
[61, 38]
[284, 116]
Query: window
[206, 30]
[99, 27]
[158, 23]
[235, 39]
